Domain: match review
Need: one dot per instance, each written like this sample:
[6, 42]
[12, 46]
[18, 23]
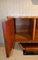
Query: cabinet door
[8, 30]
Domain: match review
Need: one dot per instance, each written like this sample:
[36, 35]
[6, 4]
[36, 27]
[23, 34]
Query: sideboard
[27, 38]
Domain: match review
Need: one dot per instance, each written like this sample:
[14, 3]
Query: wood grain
[11, 37]
[34, 28]
[8, 31]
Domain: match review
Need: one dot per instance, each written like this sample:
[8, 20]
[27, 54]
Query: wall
[16, 8]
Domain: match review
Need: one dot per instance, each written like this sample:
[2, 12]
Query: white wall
[16, 8]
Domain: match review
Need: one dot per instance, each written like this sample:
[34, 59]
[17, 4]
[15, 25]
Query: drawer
[31, 47]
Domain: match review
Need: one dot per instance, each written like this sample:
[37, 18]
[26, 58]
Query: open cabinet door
[9, 34]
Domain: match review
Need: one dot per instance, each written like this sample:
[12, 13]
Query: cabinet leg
[7, 55]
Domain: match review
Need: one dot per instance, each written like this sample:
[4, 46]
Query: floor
[17, 54]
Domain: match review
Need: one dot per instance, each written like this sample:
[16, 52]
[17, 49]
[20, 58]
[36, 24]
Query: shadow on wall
[35, 2]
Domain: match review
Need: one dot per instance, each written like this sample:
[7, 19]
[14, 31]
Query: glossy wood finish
[34, 28]
[28, 17]
[9, 34]
[11, 37]
[32, 49]
[21, 39]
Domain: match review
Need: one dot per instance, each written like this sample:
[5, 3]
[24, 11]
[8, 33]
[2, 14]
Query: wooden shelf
[21, 39]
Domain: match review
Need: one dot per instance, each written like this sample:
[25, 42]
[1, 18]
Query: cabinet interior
[28, 29]
[24, 27]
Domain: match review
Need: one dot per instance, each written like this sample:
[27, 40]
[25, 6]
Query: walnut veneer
[10, 35]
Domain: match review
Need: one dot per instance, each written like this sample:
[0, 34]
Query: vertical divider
[34, 28]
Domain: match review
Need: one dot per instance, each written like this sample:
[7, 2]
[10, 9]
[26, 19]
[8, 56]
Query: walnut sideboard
[27, 38]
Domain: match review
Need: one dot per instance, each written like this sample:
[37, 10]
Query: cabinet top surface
[22, 17]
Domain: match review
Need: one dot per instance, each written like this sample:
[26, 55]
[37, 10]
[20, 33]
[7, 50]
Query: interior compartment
[24, 27]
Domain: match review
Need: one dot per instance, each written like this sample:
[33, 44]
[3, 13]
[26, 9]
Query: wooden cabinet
[26, 36]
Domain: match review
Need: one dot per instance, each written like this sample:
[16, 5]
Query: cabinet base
[29, 53]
